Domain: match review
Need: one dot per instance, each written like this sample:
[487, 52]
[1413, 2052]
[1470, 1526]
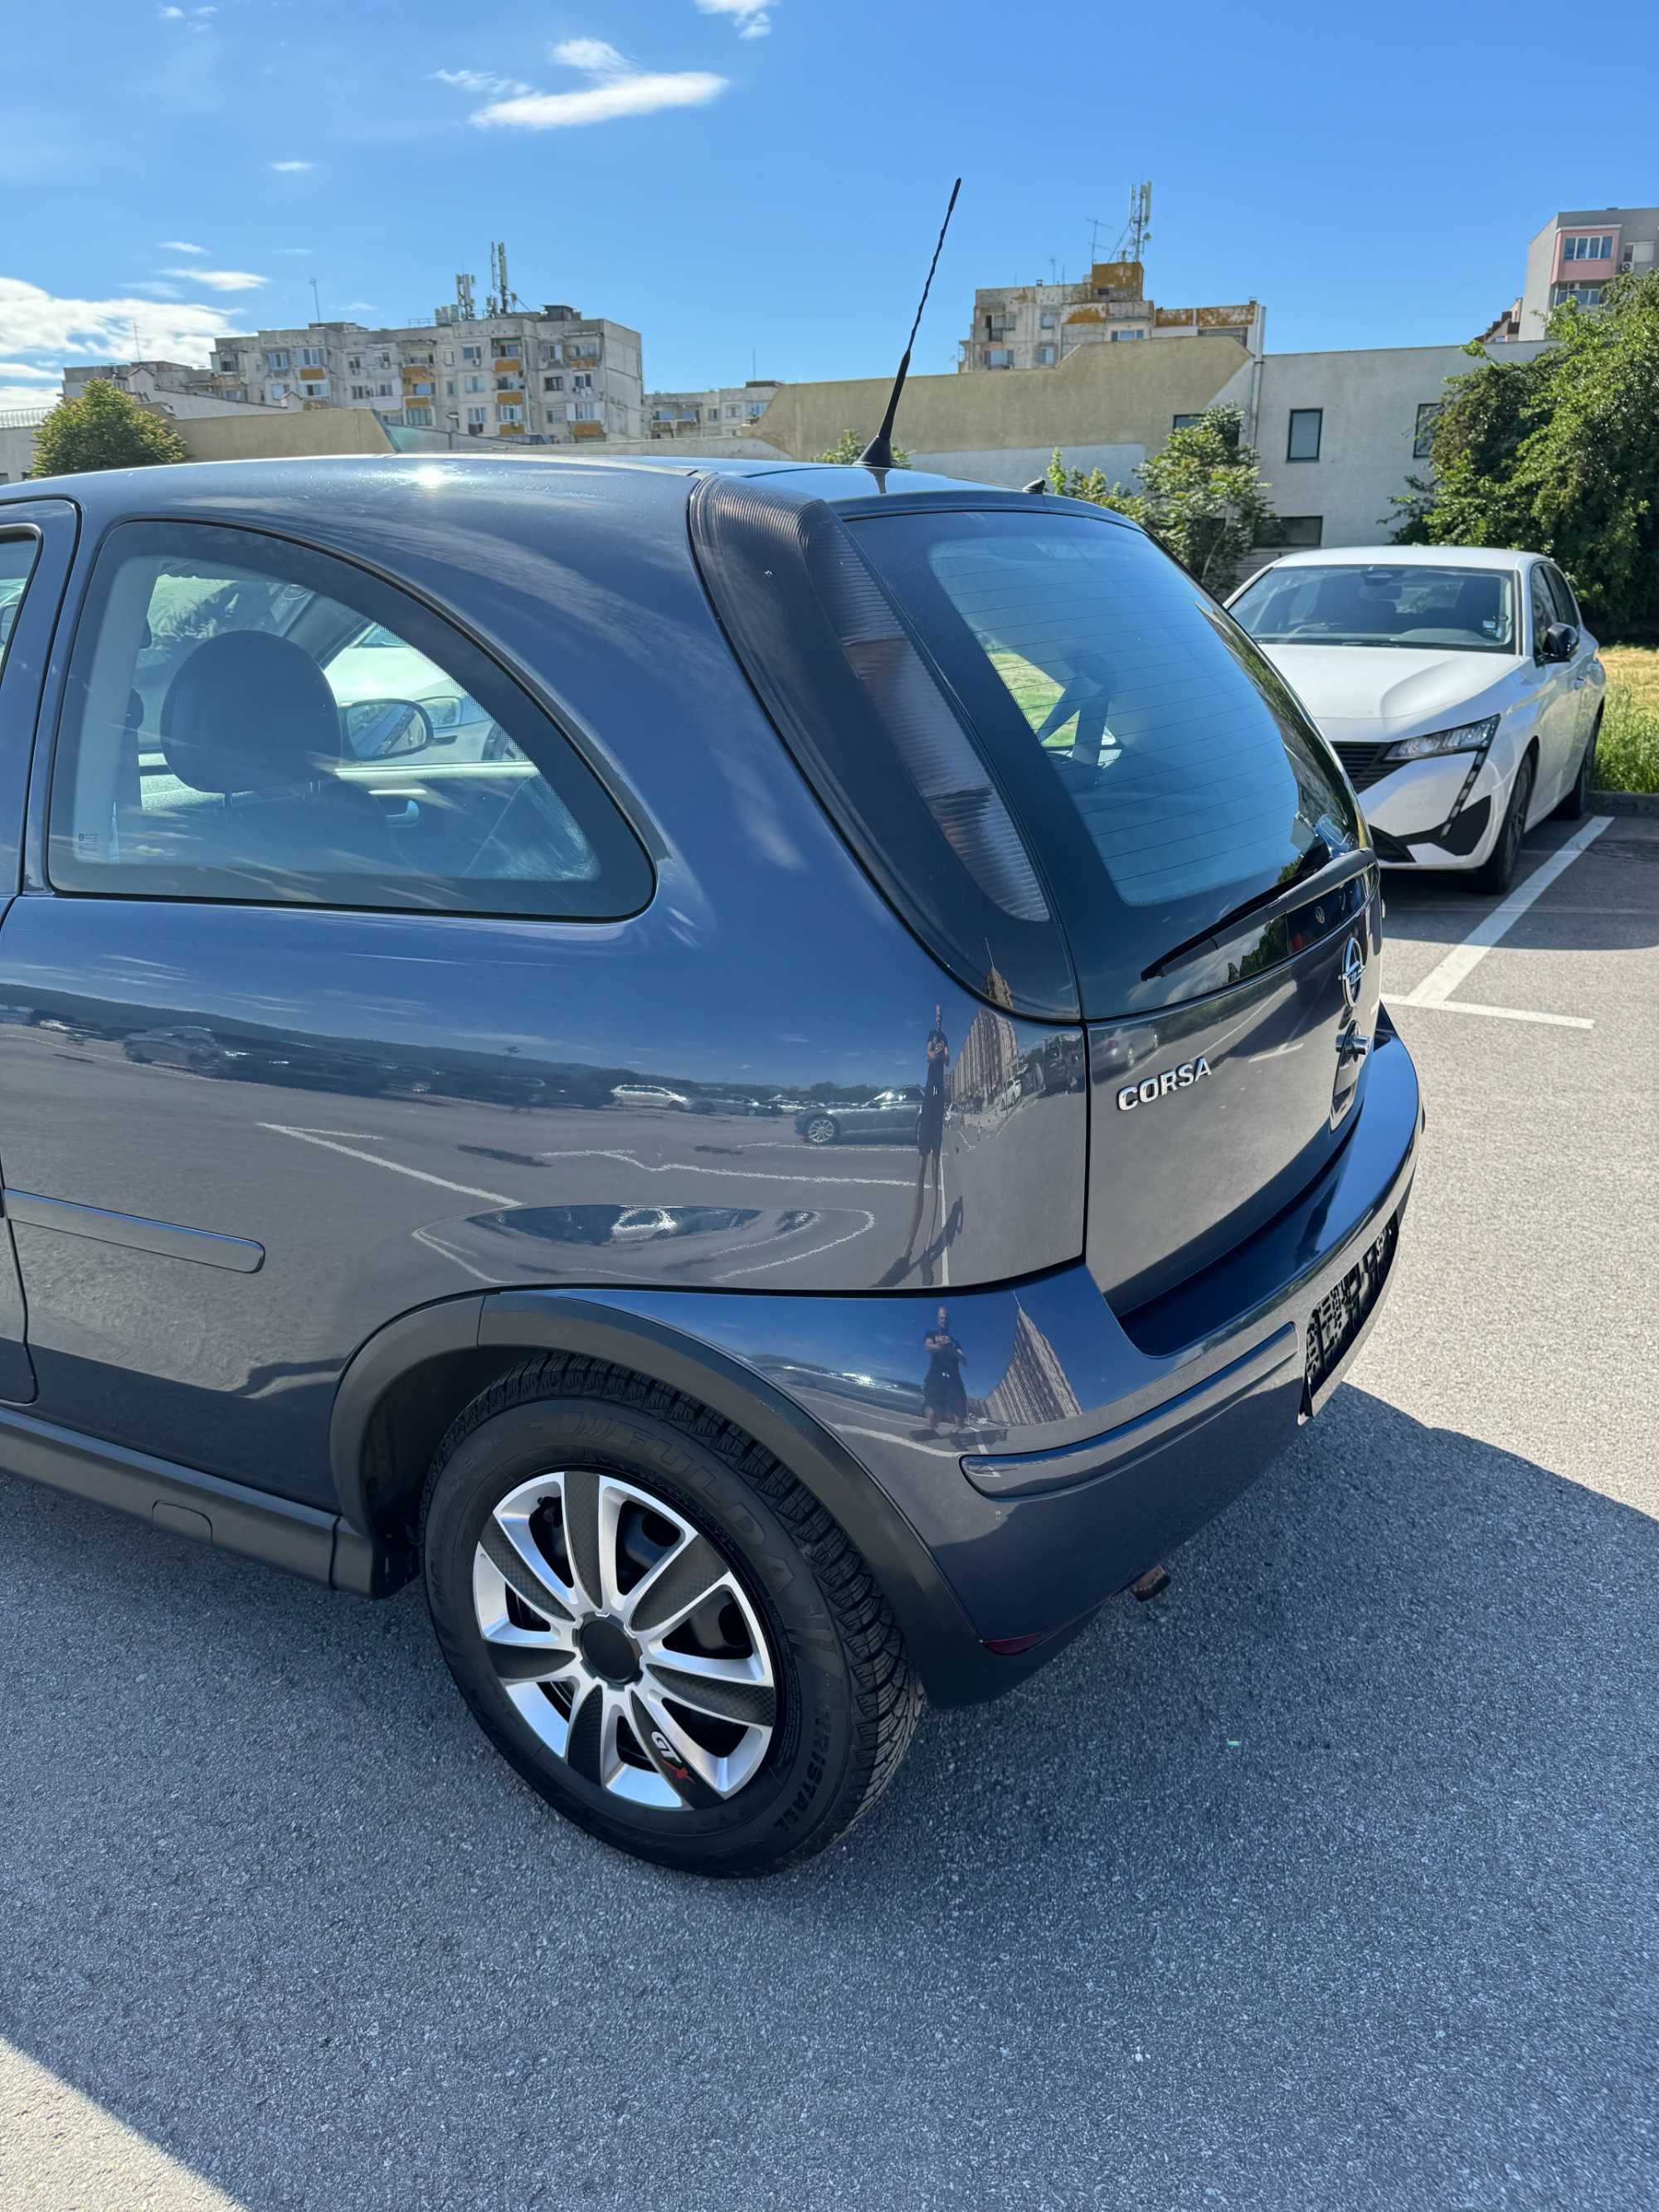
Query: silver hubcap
[624, 1640]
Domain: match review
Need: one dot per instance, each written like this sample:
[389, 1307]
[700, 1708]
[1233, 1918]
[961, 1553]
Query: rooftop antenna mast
[465, 310]
[1137, 231]
[878, 453]
[1094, 223]
[503, 300]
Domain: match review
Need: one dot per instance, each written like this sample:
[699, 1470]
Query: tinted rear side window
[1160, 769]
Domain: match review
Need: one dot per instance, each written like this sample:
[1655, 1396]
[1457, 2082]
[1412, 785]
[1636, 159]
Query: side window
[16, 565]
[1543, 609]
[248, 719]
[1566, 607]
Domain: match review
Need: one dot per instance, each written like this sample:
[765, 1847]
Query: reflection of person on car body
[943, 1396]
[930, 1122]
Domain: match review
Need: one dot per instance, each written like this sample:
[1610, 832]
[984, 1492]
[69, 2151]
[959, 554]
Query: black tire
[1496, 872]
[823, 1129]
[1576, 804]
[847, 1701]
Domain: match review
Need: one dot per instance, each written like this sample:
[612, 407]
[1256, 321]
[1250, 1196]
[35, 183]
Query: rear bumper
[1079, 1449]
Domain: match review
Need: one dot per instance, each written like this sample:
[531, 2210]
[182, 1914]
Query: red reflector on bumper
[1009, 1647]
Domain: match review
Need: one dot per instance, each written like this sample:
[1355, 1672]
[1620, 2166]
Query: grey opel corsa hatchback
[771, 1076]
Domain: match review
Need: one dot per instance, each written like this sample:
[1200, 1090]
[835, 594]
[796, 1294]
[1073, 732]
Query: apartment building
[1580, 250]
[172, 387]
[551, 377]
[1039, 326]
[728, 410]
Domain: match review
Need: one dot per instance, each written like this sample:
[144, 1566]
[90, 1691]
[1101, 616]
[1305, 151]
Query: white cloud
[220, 280]
[32, 397]
[179, 245]
[617, 88]
[468, 80]
[194, 19]
[752, 17]
[359, 307]
[291, 168]
[160, 291]
[37, 322]
[29, 370]
[595, 56]
[294, 249]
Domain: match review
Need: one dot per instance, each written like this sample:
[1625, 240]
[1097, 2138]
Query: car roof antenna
[878, 453]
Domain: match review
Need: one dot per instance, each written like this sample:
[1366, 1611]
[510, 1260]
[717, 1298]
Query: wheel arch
[407, 1382]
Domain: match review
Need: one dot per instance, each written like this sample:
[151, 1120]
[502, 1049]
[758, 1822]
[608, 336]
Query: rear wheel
[822, 1129]
[1576, 802]
[1496, 872]
[662, 1630]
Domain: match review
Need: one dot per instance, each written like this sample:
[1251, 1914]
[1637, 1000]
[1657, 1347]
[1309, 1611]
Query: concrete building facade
[725, 411]
[546, 377]
[171, 387]
[1041, 326]
[1580, 250]
[1338, 434]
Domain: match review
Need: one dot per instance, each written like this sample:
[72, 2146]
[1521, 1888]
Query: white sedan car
[1459, 686]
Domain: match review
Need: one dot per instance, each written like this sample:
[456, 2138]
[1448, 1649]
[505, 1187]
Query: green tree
[848, 448]
[103, 429]
[1560, 455]
[1202, 495]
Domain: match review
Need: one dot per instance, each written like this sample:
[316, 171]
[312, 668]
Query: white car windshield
[1412, 606]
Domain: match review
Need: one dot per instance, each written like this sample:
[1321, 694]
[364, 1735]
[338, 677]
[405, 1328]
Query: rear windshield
[1417, 609]
[1160, 769]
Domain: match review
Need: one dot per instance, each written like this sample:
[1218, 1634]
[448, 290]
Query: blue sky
[759, 180]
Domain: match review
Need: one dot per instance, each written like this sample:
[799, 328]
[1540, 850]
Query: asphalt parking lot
[1325, 1881]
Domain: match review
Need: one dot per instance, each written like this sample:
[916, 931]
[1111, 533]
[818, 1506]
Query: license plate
[1341, 1314]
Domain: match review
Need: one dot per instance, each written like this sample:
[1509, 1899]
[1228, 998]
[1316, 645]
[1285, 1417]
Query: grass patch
[1628, 756]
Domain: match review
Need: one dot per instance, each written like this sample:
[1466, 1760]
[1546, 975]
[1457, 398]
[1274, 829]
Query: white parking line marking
[419, 1175]
[1498, 1013]
[1442, 980]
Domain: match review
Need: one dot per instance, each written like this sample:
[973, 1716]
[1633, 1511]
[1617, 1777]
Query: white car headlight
[1467, 738]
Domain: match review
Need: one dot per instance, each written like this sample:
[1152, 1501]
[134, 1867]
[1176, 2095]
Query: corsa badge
[1159, 1086]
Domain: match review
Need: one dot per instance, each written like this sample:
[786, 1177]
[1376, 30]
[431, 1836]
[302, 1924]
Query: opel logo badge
[1353, 971]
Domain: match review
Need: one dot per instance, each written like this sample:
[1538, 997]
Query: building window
[506, 348]
[311, 357]
[1184, 421]
[449, 387]
[1046, 320]
[998, 357]
[472, 383]
[1592, 246]
[449, 359]
[1045, 356]
[361, 392]
[471, 353]
[420, 417]
[583, 410]
[1119, 337]
[383, 391]
[1423, 439]
[582, 382]
[354, 363]
[756, 408]
[1293, 530]
[1586, 295]
[556, 384]
[1307, 427]
[276, 357]
[508, 413]
[420, 390]
[476, 417]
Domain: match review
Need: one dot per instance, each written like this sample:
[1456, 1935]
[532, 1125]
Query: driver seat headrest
[248, 711]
